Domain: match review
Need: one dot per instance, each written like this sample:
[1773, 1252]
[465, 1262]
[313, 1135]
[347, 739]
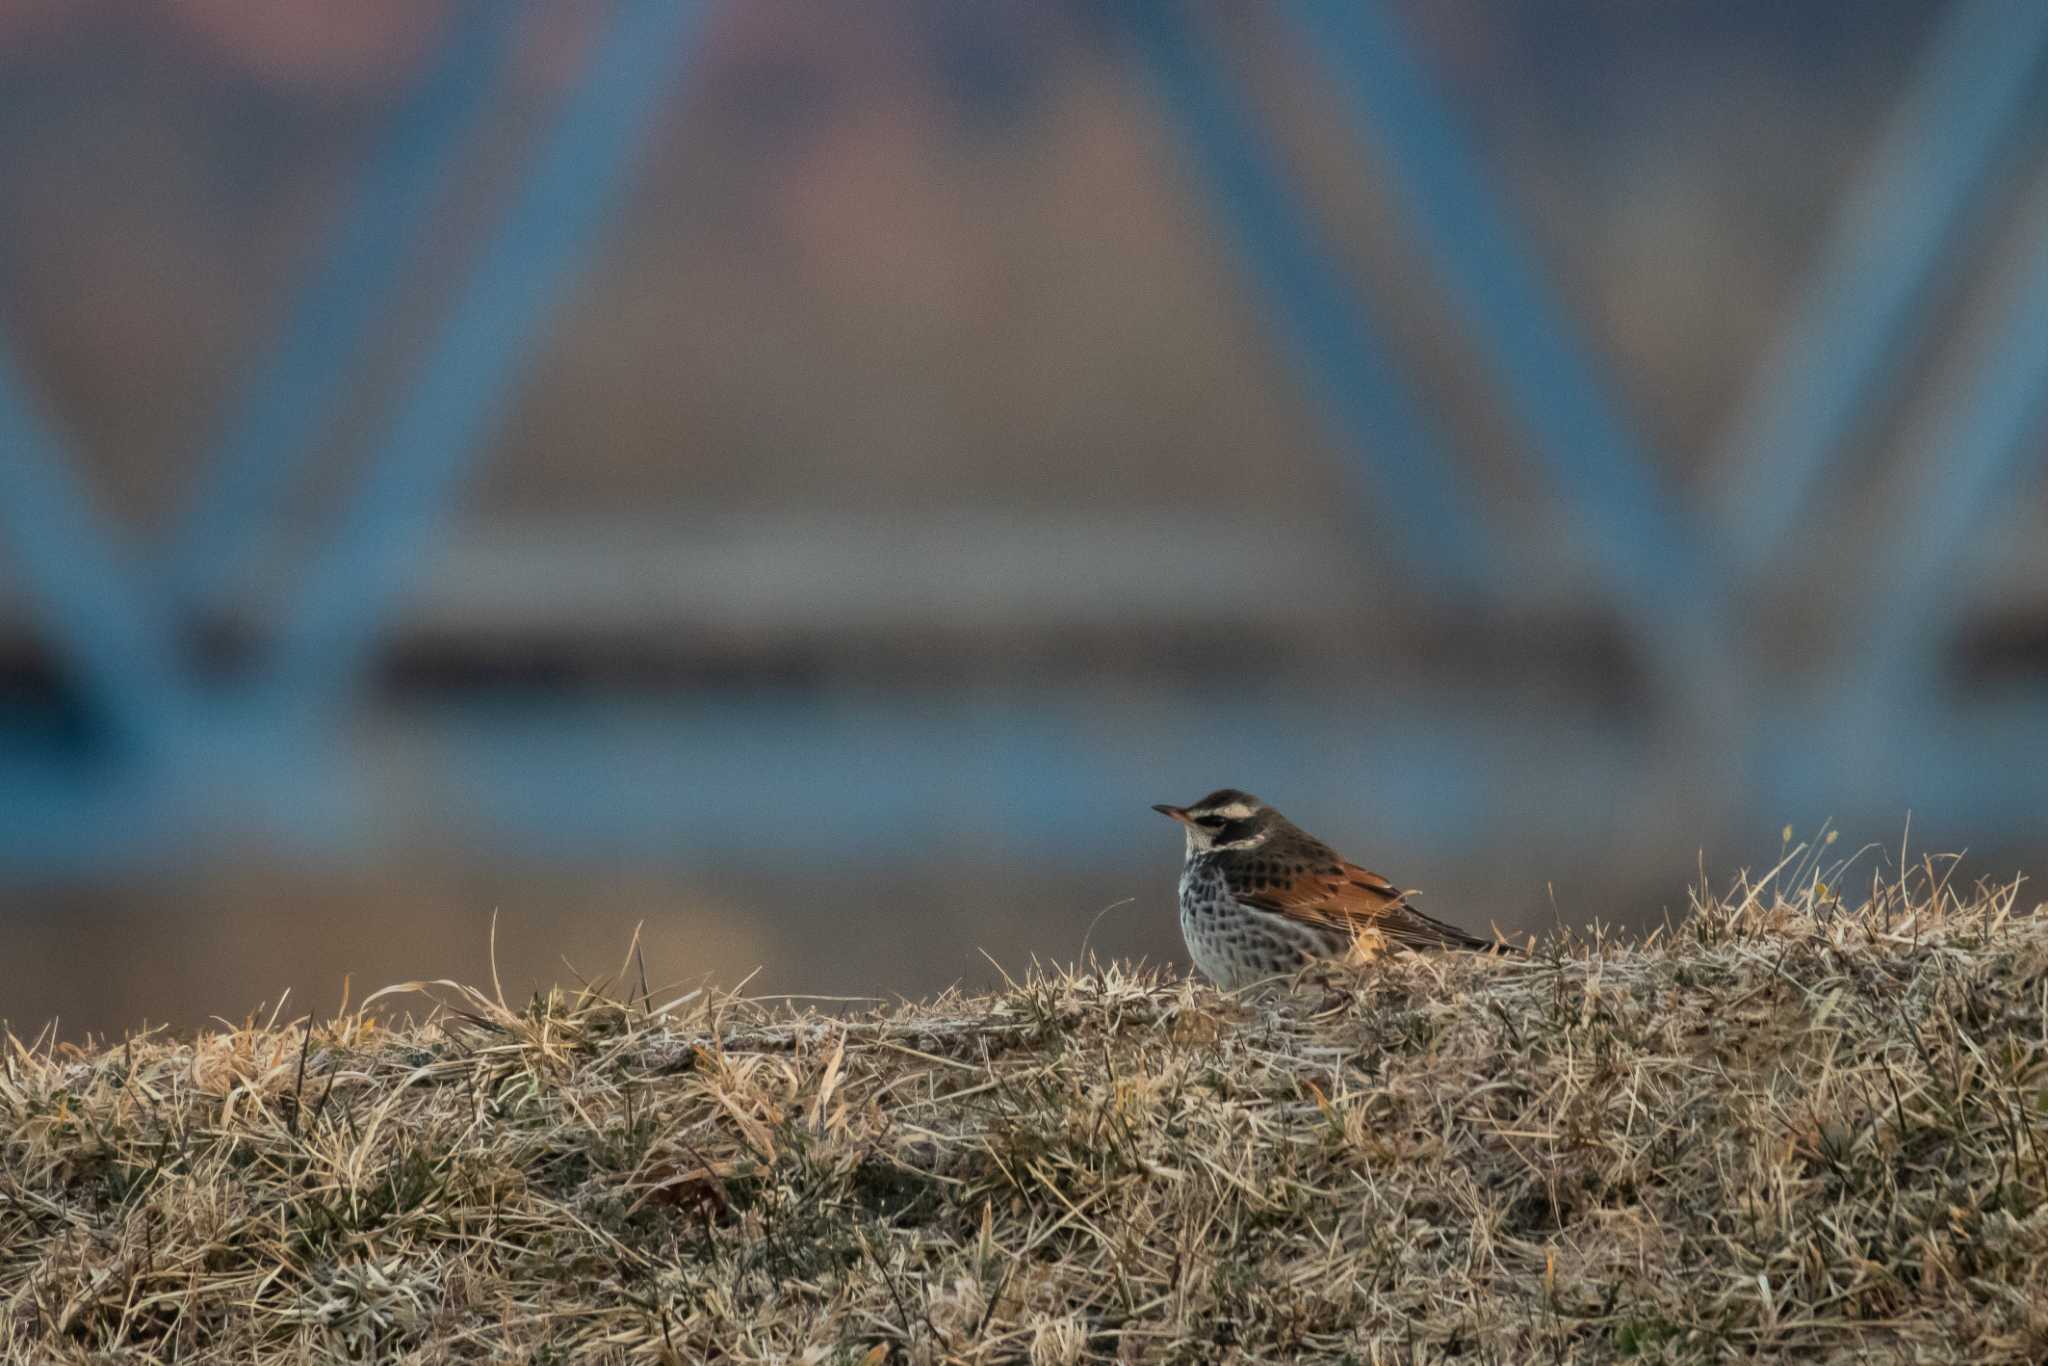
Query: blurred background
[806, 477]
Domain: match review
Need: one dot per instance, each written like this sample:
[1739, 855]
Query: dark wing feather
[1345, 897]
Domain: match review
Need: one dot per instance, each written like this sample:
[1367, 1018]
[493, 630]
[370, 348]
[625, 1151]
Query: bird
[1260, 897]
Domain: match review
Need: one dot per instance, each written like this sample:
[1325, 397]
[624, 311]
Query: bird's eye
[1209, 822]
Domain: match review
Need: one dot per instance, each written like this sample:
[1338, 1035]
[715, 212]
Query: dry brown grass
[1786, 1126]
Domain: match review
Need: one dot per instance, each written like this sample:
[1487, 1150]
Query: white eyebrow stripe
[1236, 811]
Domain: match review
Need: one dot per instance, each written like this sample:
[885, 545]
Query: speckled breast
[1232, 944]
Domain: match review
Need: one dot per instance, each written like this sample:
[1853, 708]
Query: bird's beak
[1179, 813]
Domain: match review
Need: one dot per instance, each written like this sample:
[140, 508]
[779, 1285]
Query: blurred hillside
[910, 489]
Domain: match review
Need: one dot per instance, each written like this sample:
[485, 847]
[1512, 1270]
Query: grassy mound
[1781, 1126]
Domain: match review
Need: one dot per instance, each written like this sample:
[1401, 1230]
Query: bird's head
[1225, 819]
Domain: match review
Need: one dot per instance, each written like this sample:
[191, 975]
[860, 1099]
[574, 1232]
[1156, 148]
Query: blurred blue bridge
[156, 754]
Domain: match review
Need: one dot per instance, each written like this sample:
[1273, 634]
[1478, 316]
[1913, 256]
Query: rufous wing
[1343, 896]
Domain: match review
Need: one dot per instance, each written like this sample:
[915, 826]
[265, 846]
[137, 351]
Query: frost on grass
[1784, 1125]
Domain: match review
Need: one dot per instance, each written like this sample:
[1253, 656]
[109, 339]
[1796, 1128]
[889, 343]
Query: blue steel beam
[1653, 559]
[1071, 776]
[496, 326]
[1065, 775]
[1891, 246]
[60, 819]
[80, 587]
[293, 397]
[1067, 770]
[1971, 779]
[1399, 458]
[1986, 441]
